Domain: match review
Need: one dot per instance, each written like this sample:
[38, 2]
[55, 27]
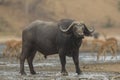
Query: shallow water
[43, 75]
[10, 71]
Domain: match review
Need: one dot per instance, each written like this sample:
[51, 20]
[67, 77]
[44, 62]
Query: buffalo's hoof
[33, 73]
[64, 73]
[79, 73]
[111, 57]
[23, 73]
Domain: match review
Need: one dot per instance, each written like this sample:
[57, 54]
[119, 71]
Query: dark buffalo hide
[63, 37]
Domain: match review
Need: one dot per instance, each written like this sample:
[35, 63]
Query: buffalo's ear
[88, 31]
[65, 24]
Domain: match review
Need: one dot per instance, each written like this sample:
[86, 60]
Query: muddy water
[49, 69]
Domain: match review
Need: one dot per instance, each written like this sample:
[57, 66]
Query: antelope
[110, 38]
[96, 43]
[84, 43]
[12, 48]
[109, 44]
[114, 41]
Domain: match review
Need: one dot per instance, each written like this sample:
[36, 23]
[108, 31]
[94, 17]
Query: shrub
[109, 23]
[3, 24]
[118, 5]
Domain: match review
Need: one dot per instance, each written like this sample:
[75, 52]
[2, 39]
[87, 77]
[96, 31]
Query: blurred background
[15, 15]
[103, 15]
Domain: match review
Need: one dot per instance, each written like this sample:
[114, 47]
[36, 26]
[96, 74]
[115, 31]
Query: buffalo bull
[63, 37]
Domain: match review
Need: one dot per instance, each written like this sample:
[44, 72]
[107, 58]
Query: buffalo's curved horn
[65, 30]
[91, 29]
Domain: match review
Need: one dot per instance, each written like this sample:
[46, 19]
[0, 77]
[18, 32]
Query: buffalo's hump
[42, 35]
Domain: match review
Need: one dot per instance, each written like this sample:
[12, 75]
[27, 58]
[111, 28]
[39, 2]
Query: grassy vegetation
[109, 23]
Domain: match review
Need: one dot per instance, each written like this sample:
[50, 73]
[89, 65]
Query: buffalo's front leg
[63, 63]
[76, 62]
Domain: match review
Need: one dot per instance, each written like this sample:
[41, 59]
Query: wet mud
[49, 69]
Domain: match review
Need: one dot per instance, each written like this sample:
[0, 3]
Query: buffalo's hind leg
[22, 60]
[30, 61]
[29, 53]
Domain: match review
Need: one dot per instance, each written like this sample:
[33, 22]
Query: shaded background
[15, 15]
[104, 15]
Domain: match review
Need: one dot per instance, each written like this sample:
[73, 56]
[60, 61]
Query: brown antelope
[114, 41]
[84, 43]
[96, 43]
[110, 38]
[12, 48]
[110, 45]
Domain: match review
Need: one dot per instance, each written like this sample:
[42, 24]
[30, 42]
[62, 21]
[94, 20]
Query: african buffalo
[63, 37]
